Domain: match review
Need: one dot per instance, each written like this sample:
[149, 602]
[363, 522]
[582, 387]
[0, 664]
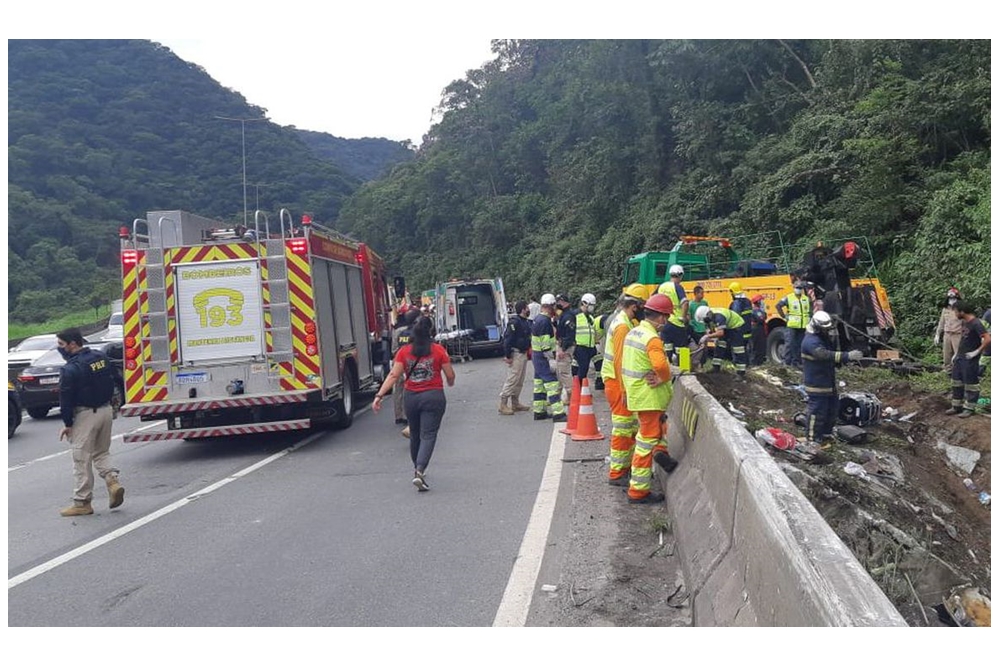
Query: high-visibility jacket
[670, 289]
[542, 338]
[642, 353]
[727, 318]
[619, 327]
[799, 311]
[585, 335]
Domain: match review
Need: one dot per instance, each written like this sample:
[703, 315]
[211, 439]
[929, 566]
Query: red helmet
[660, 303]
[757, 298]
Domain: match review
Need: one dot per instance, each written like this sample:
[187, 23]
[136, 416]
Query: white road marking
[513, 610]
[138, 523]
[67, 451]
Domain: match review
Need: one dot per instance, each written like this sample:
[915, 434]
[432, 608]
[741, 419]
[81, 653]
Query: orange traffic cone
[586, 428]
[574, 409]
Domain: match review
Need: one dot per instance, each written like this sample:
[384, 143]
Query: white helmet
[821, 321]
[548, 300]
[589, 299]
[702, 313]
[677, 270]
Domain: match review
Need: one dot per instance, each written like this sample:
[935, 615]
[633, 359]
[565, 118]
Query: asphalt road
[304, 529]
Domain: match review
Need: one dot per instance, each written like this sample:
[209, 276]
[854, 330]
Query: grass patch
[80, 318]
[658, 523]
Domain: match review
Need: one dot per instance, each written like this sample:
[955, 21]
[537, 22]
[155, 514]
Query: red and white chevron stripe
[216, 431]
[140, 409]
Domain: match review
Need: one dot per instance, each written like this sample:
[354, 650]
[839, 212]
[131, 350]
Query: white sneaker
[419, 481]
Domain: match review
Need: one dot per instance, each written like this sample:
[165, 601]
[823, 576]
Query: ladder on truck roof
[157, 323]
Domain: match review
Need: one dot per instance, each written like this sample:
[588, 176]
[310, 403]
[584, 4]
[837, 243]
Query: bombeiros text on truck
[231, 330]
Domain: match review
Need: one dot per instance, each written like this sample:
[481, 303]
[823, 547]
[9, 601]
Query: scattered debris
[855, 470]
[549, 588]
[739, 414]
[984, 498]
[889, 412]
[908, 417]
[674, 601]
[970, 485]
[776, 438]
[968, 607]
[852, 435]
[961, 458]
[860, 408]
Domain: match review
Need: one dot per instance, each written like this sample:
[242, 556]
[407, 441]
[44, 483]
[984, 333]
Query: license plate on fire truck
[190, 378]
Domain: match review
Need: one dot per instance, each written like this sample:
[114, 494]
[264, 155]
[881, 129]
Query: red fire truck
[231, 330]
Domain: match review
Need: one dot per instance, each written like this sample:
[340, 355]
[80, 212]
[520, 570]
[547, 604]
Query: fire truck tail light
[311, 339]
[131, 353]
[129, 257]
[298, 246]
[130, 341]
[311, 350]
[310, 327]
[131, 365]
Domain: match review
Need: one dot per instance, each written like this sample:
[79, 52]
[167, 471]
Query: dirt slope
[909, 520]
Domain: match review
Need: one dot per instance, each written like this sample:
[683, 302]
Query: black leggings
[424, 410]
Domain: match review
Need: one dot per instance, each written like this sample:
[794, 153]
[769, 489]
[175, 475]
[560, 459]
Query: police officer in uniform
[86, 386]
[516, 347]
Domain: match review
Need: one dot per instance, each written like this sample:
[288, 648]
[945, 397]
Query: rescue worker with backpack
[675, 333]
[819, 361]
[645, 373]
[624, 422]
[547, 388]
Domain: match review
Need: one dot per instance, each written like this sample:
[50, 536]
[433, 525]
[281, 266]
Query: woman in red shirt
[422, 362]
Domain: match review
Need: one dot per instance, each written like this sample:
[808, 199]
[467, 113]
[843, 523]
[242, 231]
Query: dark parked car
[13, 410]
[38, 384]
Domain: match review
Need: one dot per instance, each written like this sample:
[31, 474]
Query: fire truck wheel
[345, 404]
[776, 345]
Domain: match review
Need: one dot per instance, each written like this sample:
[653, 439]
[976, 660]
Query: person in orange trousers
[648, 390]
[623, 421]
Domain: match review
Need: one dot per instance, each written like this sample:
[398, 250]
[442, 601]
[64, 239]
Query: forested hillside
[365, 159]
[559, 159]
[101, 131]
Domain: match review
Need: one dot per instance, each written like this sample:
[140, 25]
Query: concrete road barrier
[754, 550]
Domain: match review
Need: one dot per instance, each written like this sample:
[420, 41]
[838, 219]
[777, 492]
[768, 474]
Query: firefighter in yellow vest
[797, 318]
[675, 333]
[624, 423]
[648, 390]
[586, 336]
[726, 328]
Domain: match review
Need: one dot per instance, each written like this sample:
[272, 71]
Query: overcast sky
[352, 86]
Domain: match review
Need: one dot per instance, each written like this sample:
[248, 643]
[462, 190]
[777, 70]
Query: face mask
[798, 291]
[952, 302]
[640, 315]
[64, 353]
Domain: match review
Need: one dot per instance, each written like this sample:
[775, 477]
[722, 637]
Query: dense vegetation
[550, 165]
[558, 159]
[365, 159]
[101, 131]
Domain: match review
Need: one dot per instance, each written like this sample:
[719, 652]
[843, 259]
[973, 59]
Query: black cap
[562, 297]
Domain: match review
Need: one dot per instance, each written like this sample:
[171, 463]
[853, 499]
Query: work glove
[972, 355]
[937, 339]
[855, 355]
[703, 340]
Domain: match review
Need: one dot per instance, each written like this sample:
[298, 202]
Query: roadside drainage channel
[754, 550]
